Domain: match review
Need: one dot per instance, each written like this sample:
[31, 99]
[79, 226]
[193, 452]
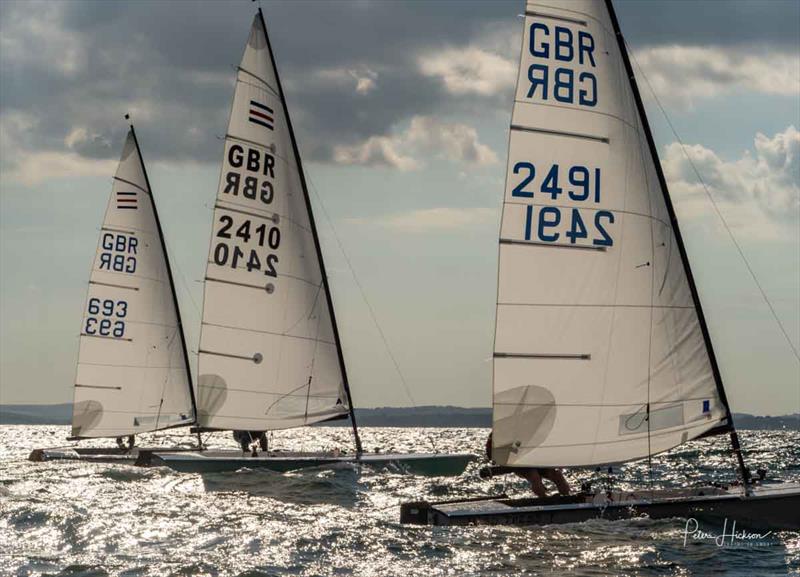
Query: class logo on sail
[262, 115]
[127, 200]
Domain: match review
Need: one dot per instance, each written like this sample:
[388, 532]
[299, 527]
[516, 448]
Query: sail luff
[170, 278]
[678, 238]
[315, 235]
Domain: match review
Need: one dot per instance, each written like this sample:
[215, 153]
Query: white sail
[132, 375]
[595, 313]
[268, 352]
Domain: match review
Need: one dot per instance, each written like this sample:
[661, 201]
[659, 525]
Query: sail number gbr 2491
[231, 234]
[555, 224]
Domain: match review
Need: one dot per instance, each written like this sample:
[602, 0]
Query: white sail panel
[268, 355]
[595, 315]
[132, 375]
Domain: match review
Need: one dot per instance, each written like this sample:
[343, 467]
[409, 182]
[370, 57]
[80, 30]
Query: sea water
[81, 519]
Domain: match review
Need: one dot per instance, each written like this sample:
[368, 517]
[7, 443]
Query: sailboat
[602, 354]
[270, 354]
[133, 371]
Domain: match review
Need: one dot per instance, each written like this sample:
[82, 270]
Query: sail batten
[538, 130]
[132, 374]
[269, 355]
[581, 175]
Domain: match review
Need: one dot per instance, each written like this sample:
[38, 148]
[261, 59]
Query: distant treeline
[427, 416]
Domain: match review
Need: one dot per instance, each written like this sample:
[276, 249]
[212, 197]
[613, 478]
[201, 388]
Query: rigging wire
[718, 211]
[363, 293]
[184, 281]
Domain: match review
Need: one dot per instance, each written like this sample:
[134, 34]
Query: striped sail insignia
[262, 114]
[127, 200]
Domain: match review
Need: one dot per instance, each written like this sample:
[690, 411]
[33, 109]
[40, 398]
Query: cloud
[92, 144]
[731, 23]
[682, 75]
[424, 136]
[365, 80]
[36, 168]
[484, 66]
[81, 65]
[376, 151]
[361, 79]
[435, 219]
[758, 193]
[469, 70]
[57, 49]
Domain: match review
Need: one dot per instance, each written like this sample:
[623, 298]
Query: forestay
[132, 374]
[268, 351]
[595, 315]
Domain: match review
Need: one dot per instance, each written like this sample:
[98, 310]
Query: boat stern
[415, 513]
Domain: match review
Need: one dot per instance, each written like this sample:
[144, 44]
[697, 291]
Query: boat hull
[135, 456]
[768, 506]
[431, 465]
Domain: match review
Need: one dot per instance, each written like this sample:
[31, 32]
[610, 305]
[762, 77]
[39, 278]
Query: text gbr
[559, 82]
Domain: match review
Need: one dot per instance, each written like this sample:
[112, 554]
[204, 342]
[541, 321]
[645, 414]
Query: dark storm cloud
[766, 23]
[70, 65]
[172, 65]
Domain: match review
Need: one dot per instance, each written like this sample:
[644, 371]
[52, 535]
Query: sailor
[534, 475]
[247, 438]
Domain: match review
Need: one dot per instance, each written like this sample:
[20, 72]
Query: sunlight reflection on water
[98, 519]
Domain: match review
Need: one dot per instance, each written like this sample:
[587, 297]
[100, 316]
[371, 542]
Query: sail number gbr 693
[557, 224]
[104, 318]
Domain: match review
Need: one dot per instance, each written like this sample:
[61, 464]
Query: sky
[401, 111]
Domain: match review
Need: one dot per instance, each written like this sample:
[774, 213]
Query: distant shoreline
[425, 416]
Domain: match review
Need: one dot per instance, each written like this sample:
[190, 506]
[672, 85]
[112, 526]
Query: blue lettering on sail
[570, 225]
[564, 50]
[562, 83]
[103, 318]
[544, 50]
[587, 95]
[119, 252]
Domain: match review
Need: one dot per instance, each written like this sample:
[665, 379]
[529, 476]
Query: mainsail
[133, 373]
[269, 353]
[601, 353]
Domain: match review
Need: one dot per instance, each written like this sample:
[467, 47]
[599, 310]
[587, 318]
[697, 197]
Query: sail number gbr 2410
[231, 234]
[557, 224]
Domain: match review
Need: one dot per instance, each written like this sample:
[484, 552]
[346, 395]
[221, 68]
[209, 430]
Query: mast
[316, 239]
[169, 275]
[679, 241]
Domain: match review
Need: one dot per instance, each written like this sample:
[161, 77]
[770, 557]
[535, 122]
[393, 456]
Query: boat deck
[429, 464]
[100, 454]
[763, 505]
